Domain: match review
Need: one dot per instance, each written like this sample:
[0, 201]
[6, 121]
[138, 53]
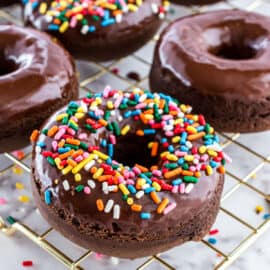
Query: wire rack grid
[96, 75]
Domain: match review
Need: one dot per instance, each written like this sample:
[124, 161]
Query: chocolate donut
[218, 62]
[195, 2]
[106, 30]
[37, 76]
[128, 174]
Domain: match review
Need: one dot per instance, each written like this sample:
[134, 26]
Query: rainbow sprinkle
[185, 145]
[88, 14]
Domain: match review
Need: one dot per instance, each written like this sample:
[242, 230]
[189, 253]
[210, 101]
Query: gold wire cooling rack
[101, 73]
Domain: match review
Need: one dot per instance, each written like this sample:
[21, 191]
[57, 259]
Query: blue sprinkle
[145, 215]
[177, 182]
[62, 150]
[110, 149]
[212, 241]
[132, 189]
[41, 144]
[149, 131]
[47, 197]
[171, 148]
[127, 114]
[149, 190]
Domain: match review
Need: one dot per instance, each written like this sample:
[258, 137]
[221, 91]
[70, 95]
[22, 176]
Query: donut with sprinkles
[99, 30]
[128, 174]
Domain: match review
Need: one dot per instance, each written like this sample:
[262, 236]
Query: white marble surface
[196, 256]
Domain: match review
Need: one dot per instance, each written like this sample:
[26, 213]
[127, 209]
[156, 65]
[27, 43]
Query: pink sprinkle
[156, 172]
[112, 139]
[169, 208]
[54, 145]
[182, 188]
[3, 201]
[87, 190]
[82, 136]
[59, 134]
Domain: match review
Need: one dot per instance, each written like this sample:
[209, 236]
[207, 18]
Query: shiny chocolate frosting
[223, 53]
[36, 76]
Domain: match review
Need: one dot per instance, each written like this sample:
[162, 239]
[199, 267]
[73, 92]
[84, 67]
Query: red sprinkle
[213, 232]
[27, 263]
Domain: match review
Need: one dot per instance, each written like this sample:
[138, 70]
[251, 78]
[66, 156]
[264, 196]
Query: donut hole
[132, 149]
[7, 65]
[235, 40]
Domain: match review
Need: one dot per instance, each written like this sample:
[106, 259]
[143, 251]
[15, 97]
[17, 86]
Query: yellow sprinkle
[124, 189]
[82, 164]
[202, 149]
[130, 201]
[67, 170]
[189, 157]
[110, 105]
[212, 153]
[24, 199]
[101, 155]
[77, 177]
[125, 130]
[259, 209]
[43, 8]
[172, 157]
[98, 173]
[176, 139]
[63, 28]
[19, 185]
[209, 170]
[156, 186]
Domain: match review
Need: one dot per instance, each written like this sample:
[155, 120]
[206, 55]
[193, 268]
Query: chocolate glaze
[106, 43]
[75, 215]
[204, 59]
[37, 76]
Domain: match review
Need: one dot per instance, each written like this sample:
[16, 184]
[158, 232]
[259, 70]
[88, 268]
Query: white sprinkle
[116, 211]
[89, 165]
[189, 187]
[91, 184]
[109, 206]
[139, 194]
[66, 185]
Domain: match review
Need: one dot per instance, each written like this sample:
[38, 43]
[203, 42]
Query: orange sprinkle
[71, 162]
[73, 141]
[155, 197]
[104, 178]
[143, 169]
[93, 170]
[162, 205]
[187, 173]
[196, 136]
[154, 151]
[136, 207]
[67, 154]
[100, 205]
[139, 132]
[34, 135]
[221, 169]
[173, 173]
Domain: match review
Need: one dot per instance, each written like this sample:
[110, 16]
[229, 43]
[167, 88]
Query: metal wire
[227, 258]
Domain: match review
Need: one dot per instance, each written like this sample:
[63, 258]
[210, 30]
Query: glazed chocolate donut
[195, 2]
[37, 76]
[128, 174]
[218, 62]
[107, 30]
